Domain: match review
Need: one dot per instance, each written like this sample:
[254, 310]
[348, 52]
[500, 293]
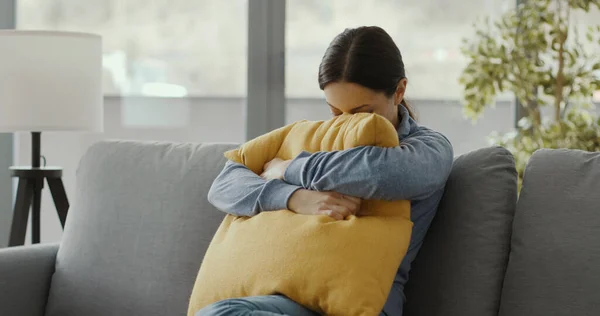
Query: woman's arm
[239, 191]
[411, 171]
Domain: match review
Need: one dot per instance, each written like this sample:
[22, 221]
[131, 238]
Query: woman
[362, 71]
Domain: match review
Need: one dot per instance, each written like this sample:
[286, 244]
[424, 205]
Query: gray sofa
[140, 224]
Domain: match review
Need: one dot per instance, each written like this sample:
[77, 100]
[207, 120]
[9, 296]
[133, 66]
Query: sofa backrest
[554, 266]
[137, 230]
[461, 265]
[140, 225]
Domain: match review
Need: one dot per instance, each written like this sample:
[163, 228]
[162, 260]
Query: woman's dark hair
[367, 56]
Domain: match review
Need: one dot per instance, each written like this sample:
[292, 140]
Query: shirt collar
[405, 122]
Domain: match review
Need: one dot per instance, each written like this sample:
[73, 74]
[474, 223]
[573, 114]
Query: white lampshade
[50, 81]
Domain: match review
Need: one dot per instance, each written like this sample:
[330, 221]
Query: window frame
[7, 141]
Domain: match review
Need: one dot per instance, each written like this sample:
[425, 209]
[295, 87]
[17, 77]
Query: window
[429, 35]
[162, 48]
[170, 66]
[173, 71]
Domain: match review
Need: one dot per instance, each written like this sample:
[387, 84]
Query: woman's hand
[332, 204]
[275, 169]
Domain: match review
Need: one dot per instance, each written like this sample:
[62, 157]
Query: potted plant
[551, 65]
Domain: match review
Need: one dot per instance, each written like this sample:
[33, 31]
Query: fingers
[275, 160]
[353, 199]
[344, 204]
[336, 206]
[345, 207]
[335, 215]
[352, 203]
[273, 169]
[339, 212]
[339, 196]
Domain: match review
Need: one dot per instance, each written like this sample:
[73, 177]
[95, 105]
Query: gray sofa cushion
[554, 266]
[137, 231]
[460, 267]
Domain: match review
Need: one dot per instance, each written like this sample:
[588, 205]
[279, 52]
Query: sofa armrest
[25, 276]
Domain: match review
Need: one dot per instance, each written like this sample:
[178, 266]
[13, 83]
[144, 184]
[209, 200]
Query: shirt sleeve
[239, 191]
[412, 171]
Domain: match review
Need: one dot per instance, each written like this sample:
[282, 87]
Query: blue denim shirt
[416, 170]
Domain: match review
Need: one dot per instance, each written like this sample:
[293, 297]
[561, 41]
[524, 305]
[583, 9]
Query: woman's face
[346, 97]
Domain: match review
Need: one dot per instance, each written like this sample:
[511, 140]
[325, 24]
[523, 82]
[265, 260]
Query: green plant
[551, 66]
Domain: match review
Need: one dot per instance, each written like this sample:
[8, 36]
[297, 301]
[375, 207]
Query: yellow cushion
[332, 267]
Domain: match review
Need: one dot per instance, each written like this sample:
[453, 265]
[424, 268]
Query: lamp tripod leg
[21, 212]
[59, 195]
[35, 210]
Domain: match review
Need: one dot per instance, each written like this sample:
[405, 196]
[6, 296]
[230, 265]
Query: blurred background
[178, 70]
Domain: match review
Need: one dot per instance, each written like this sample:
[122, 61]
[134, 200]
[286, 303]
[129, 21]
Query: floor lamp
[49, 81]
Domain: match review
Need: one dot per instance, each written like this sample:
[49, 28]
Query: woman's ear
[399, 94]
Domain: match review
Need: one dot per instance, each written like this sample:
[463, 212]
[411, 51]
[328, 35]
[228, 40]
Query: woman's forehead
[345, 95]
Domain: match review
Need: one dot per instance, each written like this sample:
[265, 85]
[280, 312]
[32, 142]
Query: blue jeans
[271, 305]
